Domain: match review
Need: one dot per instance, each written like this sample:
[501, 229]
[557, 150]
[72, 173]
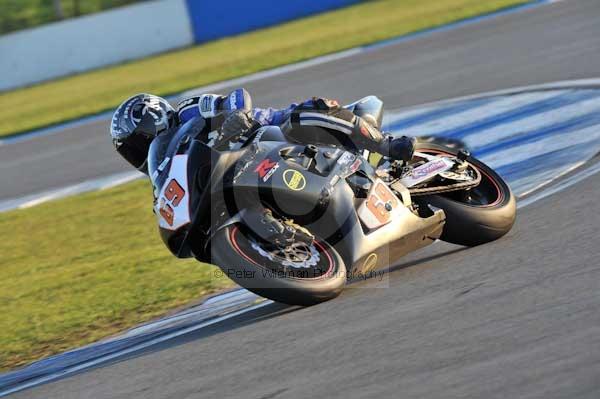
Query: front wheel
[483, 214]
[300, 274]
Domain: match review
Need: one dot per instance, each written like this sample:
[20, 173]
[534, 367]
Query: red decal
[377, 201]
[384, 193]
[264, 167]
[173, 195]
[174, 192]
[167, 213]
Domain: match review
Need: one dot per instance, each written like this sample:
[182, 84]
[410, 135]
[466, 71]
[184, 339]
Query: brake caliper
[285, 233]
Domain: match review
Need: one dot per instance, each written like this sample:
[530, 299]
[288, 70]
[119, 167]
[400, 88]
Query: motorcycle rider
[232, 120]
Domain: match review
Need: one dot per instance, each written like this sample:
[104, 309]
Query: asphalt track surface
[549, 43]
[514, 318]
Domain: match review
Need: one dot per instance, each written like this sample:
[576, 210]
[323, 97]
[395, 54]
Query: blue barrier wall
[217, 19]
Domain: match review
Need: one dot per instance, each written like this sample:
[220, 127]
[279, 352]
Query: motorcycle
[292, 222]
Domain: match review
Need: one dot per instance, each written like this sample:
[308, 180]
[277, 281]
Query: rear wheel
[299, 274]
[479, 215]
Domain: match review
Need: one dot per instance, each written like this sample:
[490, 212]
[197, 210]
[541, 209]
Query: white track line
[459, 119]
[578, 177]
[133, 349]
[548, 118]
[101, 183]
[542, 146]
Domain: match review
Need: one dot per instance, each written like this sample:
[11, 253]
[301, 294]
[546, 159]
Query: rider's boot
[398, 148]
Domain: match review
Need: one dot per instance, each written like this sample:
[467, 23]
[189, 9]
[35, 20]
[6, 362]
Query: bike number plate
[173, 204]
[379, 207]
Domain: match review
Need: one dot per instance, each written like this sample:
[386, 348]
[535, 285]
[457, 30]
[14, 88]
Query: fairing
[320, 188]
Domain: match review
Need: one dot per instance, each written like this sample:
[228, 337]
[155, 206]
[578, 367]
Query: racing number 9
[174, 193]
[376, 203]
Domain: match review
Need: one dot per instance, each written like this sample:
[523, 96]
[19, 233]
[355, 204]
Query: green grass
[100, 90]
[23, 14]
[83, 268]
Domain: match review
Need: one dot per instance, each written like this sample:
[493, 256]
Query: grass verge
[24, 14]
[97, 91]
[83, 268]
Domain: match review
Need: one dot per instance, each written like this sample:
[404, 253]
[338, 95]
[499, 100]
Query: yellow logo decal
[369, 263]
[294, 180]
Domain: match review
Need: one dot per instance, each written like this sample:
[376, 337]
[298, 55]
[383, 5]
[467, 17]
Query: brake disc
[282, 257]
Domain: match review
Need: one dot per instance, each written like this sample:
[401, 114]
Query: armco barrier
[215, 19]
[137, 31]
[93, 41]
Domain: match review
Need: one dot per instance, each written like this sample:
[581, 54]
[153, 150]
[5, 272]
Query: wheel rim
[297, 261]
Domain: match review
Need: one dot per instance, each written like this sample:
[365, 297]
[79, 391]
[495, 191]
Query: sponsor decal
[294, 180]
[429, 168]
[426, 171]
[266, 169]
[233, 100]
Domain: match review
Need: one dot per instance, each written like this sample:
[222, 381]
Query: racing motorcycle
[291, 222]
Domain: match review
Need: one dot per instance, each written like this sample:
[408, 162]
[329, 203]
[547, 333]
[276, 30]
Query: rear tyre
[484, 214]
[305, 275]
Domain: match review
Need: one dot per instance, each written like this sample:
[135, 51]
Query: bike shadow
[418, 258]
[268, 311]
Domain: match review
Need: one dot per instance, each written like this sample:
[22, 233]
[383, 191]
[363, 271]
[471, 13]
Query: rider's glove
[236, 124]
[210, 105]
[399, 148]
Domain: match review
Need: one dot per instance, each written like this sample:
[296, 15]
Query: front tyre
[481, 215]
[300, 274]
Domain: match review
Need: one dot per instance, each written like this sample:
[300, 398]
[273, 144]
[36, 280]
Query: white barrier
[93, 41]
